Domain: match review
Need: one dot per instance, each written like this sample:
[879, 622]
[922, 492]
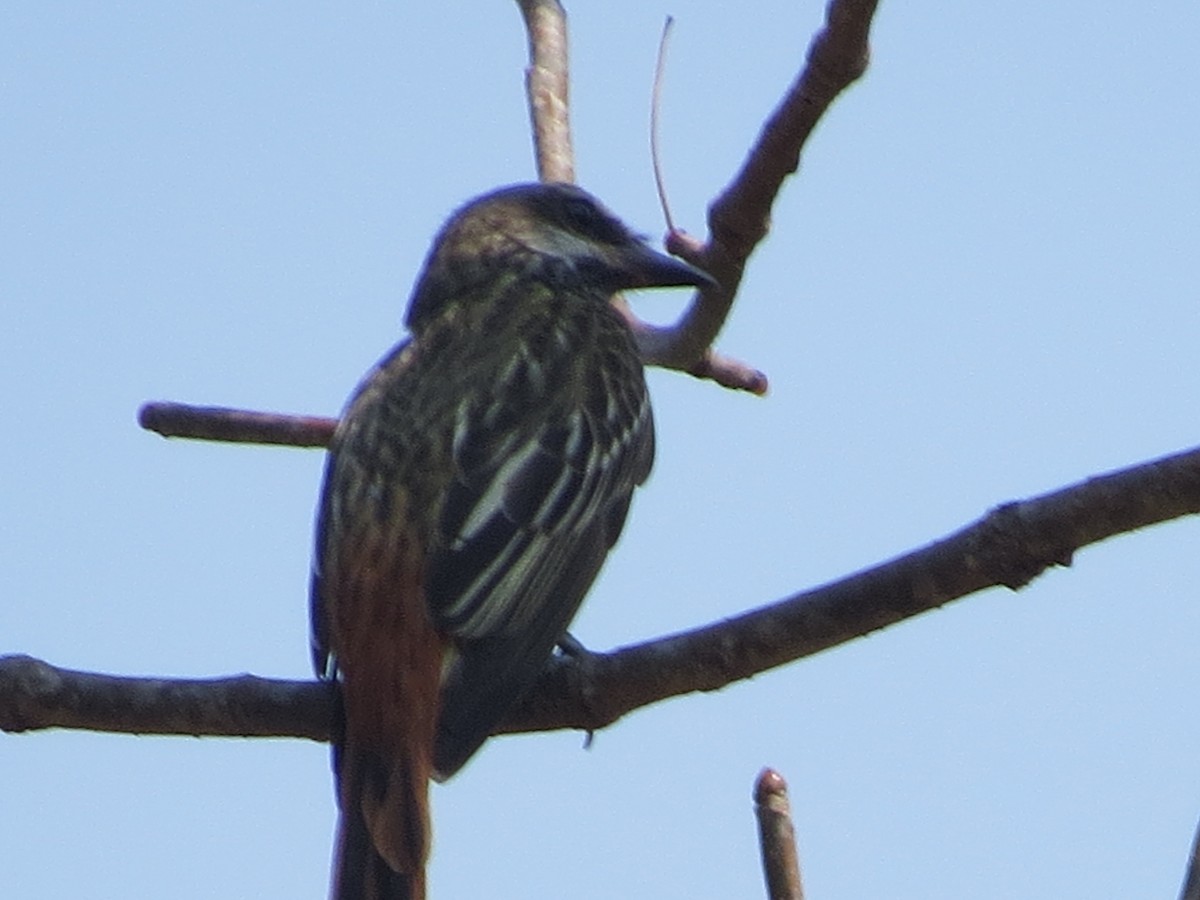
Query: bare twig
[738, 219]
[1009, 546]
[655, 106]
[547, 86]
[218, 423]
[777, 837]
[837, 57]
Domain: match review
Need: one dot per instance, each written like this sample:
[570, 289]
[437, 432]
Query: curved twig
[660, 68]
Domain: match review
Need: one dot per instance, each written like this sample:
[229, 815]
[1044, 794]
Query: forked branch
[739, 218]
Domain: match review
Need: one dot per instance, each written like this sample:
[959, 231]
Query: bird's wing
[339, 516]
[372, 630]
[526, 523]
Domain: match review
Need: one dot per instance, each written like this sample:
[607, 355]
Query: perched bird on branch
[476, 481]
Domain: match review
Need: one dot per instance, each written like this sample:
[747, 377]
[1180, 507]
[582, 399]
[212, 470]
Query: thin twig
[777, 837]
[219, 423]
[660, 67]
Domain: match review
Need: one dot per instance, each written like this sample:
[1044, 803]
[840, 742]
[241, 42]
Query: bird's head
[558, 233]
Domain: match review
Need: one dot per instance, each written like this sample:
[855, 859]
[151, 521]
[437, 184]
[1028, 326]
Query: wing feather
[508, 524]
[523, 535]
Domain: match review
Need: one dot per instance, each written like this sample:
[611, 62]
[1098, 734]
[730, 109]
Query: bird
[474, 485]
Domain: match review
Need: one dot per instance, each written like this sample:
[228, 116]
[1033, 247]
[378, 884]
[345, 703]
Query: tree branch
[36, 695]
[547, 86]
[739, 218]
[236, 426]
[1009, 546]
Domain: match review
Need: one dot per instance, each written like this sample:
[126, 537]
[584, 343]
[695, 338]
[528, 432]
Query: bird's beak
[648, 268]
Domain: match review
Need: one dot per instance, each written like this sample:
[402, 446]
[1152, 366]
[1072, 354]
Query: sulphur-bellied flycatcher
[476, 481]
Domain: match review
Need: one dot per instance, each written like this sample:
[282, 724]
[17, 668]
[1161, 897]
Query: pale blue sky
[981, 286]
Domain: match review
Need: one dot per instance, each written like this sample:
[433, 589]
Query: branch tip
[777, 837]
